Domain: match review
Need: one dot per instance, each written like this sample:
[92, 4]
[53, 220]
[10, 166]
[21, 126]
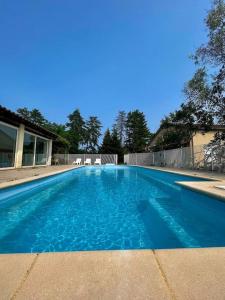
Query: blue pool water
[116, 207]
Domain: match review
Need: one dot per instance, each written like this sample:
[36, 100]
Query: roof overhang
[14, 119]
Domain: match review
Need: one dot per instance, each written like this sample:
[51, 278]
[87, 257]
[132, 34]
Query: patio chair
[87, 161]
[56, 161]
[77, 162]
[98, 161]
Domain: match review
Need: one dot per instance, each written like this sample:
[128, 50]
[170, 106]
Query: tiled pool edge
[7, 184]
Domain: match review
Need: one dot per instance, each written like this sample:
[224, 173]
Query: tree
[24, 112]
[37, 117]
[59, 129]
[60, 144]
[76, 131]
[116, 146]
[213, 52]
[106, 143]
[180, 126]
[33, 115]
[137, 132]
[120, 126]
[182, 123]
[217, 97]
[217, 103]
[206, 89]
[111, 144]
[92, 134]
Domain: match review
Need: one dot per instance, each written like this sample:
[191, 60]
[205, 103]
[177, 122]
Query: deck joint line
[25, 277]
[172, 294]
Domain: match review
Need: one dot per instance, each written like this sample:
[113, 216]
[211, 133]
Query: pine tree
[33, 115]
[137, 132]
[92, 134]
[120, 126]
[76, 131]
[24, 112]
[106, 143]
[116, 146]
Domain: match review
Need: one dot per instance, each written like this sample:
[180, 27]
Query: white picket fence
[68, 159]
[210, 158]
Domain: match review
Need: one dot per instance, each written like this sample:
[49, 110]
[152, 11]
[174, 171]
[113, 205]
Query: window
[8, 137]
[28, 149]
[41, 151]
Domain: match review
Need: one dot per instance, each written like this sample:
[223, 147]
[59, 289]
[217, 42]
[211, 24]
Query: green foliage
[213, 52]
[137, 132]
[181, 124]
[33, 115]
[172, 138]
[111, 144]
[217, 97]
[76, 131]
[206, 90]
[116, 145]
[24, 112]
[129, 133]
[120, 126]
[106, 146]
[61, 144]
[92, 134]
[197, 89]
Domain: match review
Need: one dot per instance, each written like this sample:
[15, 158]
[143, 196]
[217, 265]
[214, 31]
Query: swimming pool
[111, 207]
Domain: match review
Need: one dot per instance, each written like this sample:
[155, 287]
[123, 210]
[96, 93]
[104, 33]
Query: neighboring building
[23, 143]
[199, 136]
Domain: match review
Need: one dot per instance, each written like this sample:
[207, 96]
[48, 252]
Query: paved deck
[16, 174]
[13, 177]
[164, 274]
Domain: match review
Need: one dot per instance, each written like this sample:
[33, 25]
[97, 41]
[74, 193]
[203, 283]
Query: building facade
[198, 137]
[23, 143]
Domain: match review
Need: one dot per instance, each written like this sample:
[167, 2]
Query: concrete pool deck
[142, 274]
[126, 274]
[12, 177]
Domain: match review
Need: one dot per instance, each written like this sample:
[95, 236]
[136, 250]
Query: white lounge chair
[98, 161]
[87, 161]
[77, 161]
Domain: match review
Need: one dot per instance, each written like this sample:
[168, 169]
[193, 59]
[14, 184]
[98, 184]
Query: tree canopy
[137, 132]
[204, 93]
[206, 89]
[92, 133]
[76, 130]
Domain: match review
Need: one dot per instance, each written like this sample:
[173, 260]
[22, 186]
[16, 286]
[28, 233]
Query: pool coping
[16, 182]
[194, 273]
[209, 187]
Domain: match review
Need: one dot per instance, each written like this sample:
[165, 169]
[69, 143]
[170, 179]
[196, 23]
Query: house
[23, 143]
[197, 138]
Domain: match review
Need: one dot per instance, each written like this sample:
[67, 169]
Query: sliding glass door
[41, 151]
[28, 149]
[35, 150]
[8, 136]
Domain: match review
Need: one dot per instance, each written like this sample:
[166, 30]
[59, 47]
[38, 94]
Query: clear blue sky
[100, 56]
